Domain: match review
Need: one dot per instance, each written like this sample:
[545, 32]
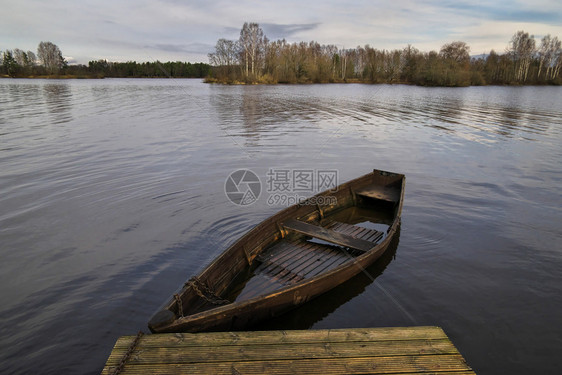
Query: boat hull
[377, 190]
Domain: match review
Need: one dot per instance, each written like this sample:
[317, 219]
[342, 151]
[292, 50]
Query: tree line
[16, 63]
[253, 58]
[157, 69]
[49, 62]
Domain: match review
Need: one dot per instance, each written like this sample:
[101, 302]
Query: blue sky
[121, 30]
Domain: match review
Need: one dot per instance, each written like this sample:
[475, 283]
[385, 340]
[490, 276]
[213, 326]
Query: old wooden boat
[290, 258]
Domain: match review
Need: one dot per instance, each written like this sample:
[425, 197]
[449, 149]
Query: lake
[112, 195]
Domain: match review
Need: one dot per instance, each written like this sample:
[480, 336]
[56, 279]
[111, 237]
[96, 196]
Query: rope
[205, 292]
[179, 304]
[127, 354]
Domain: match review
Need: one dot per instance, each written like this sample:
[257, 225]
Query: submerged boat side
[280, 249]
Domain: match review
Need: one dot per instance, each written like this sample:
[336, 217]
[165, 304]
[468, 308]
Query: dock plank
[280, 351]
[419, 350]
[288, 337]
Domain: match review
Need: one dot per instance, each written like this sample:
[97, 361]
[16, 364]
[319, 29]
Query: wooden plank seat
[383, 193]
[328, 235]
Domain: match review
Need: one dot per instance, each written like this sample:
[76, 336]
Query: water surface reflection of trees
[58, 98]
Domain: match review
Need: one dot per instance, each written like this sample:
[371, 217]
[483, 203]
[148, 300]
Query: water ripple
[111, 196]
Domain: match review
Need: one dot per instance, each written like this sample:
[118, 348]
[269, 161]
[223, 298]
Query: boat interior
[311, 250]
[308, 247]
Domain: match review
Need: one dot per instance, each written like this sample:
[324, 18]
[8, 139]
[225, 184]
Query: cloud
[508, 11]
[186, 48]
[275, 31]
[70, 60]
[283, 31]
[179, 30]
[489, 34]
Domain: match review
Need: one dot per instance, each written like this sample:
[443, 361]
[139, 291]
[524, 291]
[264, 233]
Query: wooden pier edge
[403, 350]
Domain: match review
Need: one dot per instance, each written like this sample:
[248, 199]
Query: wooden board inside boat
[297, 258]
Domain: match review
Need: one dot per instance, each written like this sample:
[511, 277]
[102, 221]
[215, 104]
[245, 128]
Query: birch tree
[549, 56]
[522, 48]
[252, 44]
[50, 56]
[557, 64]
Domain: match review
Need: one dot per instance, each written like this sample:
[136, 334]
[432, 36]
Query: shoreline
[355, 81]
[57, 76]
[214, 81]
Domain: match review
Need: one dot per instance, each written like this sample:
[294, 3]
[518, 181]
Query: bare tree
[257, 60]
[557, 63]
[410, 63]
[50, 56]
[456, 51]
[252, 47]
[544, 53]
[549, 56]
[522, 49]
[20, 57]
[25, 60]
[226, 52]
[346, 62]
[225, 57]
[31, 58]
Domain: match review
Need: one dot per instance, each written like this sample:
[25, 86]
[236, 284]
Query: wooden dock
[411, 350]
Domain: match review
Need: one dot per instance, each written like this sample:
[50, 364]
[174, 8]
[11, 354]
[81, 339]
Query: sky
[174, 30]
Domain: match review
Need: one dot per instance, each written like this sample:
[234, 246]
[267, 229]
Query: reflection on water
[57, 99]
[254, 112]
[112, 195]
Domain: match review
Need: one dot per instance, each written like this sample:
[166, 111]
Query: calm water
[112, 195]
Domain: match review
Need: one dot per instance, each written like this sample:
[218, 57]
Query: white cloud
[176, 30]
[487, 35]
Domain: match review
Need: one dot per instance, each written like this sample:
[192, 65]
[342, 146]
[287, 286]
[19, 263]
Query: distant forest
[49, 62]
[253, 58]
[155, 69]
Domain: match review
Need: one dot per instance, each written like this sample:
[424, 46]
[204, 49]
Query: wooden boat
[290, 258]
